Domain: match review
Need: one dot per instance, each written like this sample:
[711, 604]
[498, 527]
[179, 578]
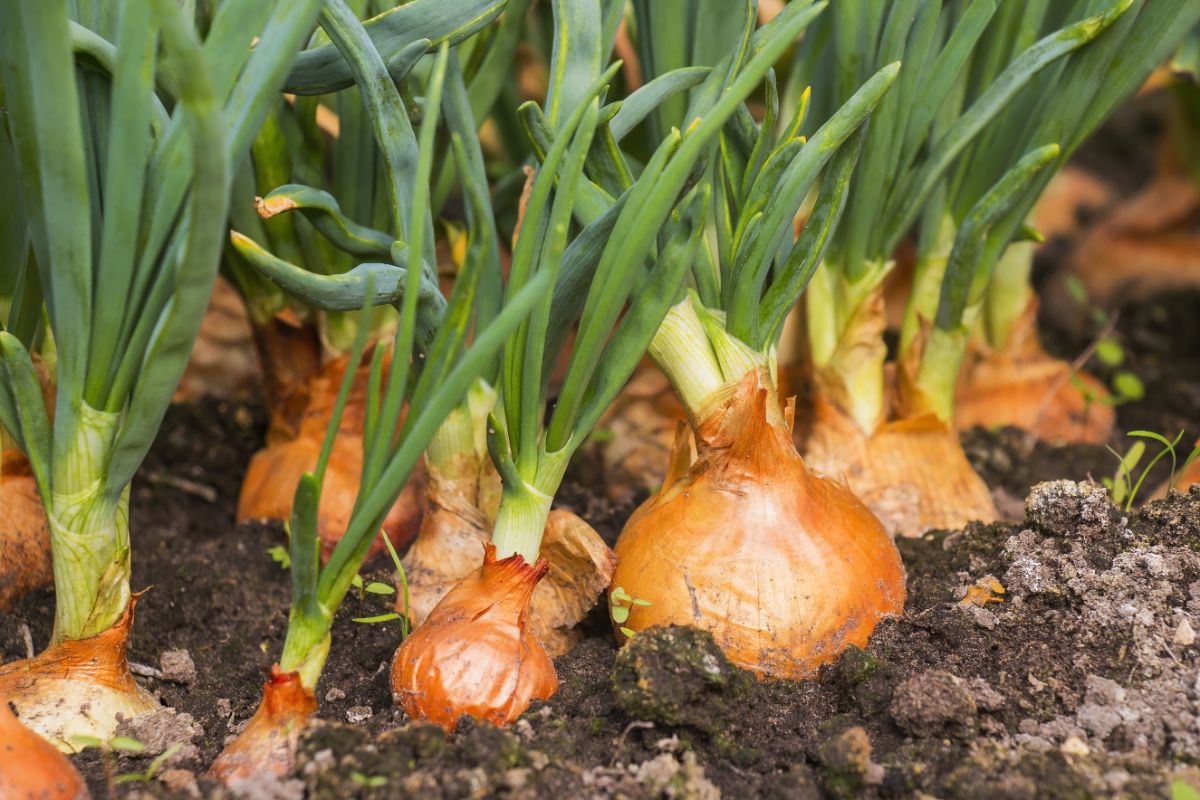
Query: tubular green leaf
[809, 250]
[322, 210]
[908, 200]
[961, 270]
[322, 69]
[167, 352]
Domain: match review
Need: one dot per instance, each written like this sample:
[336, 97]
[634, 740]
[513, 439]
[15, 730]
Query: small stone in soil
[931, 702]
[359, 714]
[178, 666]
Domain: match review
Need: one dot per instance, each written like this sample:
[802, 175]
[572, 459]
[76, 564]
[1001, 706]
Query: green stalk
[1009, 294]
[927, 281]
[89, 532]
[682, 350]
[525, 507]
[845, 325]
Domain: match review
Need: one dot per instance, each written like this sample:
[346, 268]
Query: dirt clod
[933, 702]
[178, 666]
[677, 676]
[161, 729]
[846, 759]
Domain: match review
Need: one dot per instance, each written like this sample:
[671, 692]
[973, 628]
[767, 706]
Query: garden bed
[1080, 680]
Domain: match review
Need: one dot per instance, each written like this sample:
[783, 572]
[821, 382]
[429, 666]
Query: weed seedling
[620, 603]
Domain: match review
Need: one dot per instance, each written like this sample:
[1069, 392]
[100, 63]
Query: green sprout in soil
[1125, 485]
[620, 603]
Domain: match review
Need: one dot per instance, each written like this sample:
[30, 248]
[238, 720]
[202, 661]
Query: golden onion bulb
[784, 568]
[477, 653]
[24, 533]
[274, 472]
[267, 745]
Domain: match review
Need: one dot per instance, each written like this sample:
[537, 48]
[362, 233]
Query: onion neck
[681, 349]
[936, 380]
[458, 448]
[306, 647]
[928, 275]
[1009, 294]
[703, 361]
[525, 508]
[89, 531]
[846, 320]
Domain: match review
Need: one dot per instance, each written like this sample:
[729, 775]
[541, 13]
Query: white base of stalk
[520, 523]
[89, 532]
[306, 655]
[72, 713]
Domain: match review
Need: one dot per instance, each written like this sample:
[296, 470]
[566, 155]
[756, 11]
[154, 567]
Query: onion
[78, 687]
[275, 471]
[1022, 386]
[783, 567]
[460, 505]
[30, 767]
[223, 362]
[477, 654]
[267, 745]
[912, 473]
[24, 535]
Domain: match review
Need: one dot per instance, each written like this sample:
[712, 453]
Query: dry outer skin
[450, 546]
[1021, 385]
[24, 534]
[275, 470]
[783, 567]
[912, 473]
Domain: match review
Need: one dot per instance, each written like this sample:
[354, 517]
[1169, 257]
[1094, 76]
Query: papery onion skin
[477, 654]
[1022, 386]
[911, 473]
[453, 534]
[25, 562]
[30, 767]
[783, 567]
[77, 687]
[267, 745]
[274, 472]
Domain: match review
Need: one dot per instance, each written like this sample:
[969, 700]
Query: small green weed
[620, 603]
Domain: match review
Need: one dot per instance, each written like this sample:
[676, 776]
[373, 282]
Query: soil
[1052, 655]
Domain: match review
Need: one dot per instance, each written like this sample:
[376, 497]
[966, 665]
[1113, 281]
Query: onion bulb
[784, 568]
[1021, 385]
[24, 534]
[911, 472]
[275, 471]
[459, 509]
[30, 767]
[77, 688]
[267, 745]
[223, 362]
[477, 653]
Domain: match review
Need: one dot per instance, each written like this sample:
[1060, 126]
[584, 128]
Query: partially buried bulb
[477, 654]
